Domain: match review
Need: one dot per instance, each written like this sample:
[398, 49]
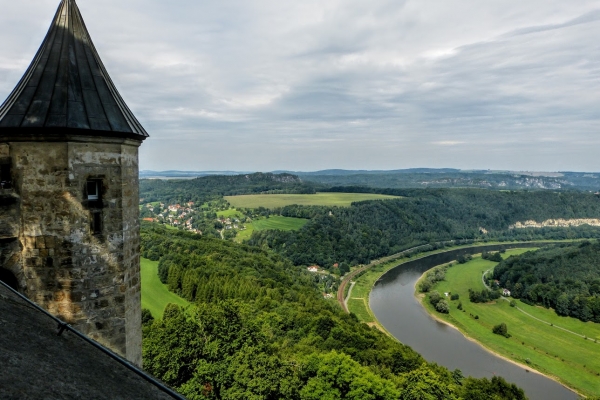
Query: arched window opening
[9, 278]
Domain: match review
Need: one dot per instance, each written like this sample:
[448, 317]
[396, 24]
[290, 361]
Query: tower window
[5, 178]
[93, 190]
[96, 222]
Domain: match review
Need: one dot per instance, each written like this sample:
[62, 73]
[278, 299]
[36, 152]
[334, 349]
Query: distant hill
[174, 174]
[207, 188]
[424, 178]
[449, 178]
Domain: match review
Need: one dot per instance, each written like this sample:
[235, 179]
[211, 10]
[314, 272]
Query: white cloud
[386, 84]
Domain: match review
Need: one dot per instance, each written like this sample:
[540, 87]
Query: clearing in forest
[155, 294]
[318, 199]
[273, 222]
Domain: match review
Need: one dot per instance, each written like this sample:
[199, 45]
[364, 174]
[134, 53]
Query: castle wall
[76, 257]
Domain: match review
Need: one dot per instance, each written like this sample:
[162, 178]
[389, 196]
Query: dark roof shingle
[38, 364]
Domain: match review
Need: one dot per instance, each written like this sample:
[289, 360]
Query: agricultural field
[573, 359]
[273, 222]
[155, 294]
[318, 199]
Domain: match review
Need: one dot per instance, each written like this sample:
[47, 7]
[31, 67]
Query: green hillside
[155, 294]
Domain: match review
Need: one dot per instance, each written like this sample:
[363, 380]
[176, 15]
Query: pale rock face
[78, 258]
[556, 223]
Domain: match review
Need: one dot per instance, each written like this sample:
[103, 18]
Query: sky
[307, 85]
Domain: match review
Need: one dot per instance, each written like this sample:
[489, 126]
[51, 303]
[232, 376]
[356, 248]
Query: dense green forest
[373, 229]
[563, 277]
[262, 330]
[201, 190]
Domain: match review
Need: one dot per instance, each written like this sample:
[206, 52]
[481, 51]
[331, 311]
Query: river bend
[393, 302]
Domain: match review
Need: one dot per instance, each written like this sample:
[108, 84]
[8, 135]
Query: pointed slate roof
[66, 87]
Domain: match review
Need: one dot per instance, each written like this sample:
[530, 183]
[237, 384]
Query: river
[393, 302]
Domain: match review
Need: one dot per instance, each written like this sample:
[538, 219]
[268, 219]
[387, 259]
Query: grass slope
[572, 359]
[318, 199]
[273, 222]
[359, 296]
[231, 213]
[155, 294]
[279, 222]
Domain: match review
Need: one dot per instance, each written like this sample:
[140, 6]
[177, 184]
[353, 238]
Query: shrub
[462, 259]
[496, 257]
[513, 303]
[454, 296]
[501, 329]
[147, 317]
[425, 286]
[442, 307]
[459, 305]
[434, 297]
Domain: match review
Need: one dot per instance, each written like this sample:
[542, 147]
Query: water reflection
[395, 306]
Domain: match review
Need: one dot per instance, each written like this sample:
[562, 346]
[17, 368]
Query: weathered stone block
[70, 271]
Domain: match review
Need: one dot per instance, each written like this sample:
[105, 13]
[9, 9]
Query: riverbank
[534, 345]
[358, 300]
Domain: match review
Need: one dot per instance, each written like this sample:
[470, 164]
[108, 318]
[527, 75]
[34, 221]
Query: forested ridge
[452, 178]
[373, 229]
[564, 277]
[208, 188]
[260, 329]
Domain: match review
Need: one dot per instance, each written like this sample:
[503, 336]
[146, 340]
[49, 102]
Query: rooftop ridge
[67, 85]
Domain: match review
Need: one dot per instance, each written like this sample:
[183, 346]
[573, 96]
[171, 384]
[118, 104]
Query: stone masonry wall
[89, 279]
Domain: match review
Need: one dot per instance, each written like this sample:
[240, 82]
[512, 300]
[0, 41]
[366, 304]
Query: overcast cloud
[378, 84]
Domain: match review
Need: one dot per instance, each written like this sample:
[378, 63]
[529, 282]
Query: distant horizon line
[415, 169]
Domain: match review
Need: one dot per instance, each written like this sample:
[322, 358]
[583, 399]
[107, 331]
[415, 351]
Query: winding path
[342, 288]
[531, 316]
[340, 293]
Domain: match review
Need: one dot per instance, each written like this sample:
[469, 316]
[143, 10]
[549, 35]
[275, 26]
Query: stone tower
[69, 229]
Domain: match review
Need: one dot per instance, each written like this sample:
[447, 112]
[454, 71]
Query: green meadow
[318, 199]
[155, 294]
[358, 303]
[570, 358]
[273, 222]
[231, 213]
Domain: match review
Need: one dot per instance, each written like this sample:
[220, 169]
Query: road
[348, 277]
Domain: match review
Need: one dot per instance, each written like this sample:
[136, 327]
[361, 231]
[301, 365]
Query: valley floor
[536, 340]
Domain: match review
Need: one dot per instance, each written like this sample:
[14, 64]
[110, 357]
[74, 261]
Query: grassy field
[319, 199]
[155, 294]
[359, 297]
[231, 213]
[572, 359]
[273, 222]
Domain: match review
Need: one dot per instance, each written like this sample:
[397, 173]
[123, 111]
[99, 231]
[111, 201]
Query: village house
[505, 292]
